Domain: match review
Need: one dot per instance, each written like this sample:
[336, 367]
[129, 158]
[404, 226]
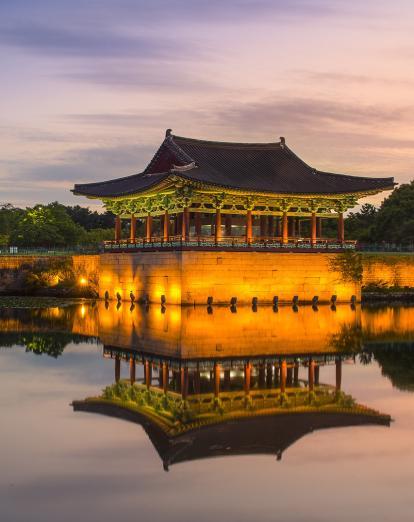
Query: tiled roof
[256, 167]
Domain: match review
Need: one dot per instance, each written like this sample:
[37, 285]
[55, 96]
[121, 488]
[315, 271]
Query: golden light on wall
[83, 281]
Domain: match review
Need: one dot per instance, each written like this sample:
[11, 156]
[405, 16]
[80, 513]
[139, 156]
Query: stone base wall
[190, 277]
[388, 269]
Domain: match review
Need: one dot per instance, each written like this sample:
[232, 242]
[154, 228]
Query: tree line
[61, 225]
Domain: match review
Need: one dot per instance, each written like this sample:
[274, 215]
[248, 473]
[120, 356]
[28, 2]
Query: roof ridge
[227, 143]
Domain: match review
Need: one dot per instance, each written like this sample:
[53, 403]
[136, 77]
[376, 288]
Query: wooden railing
[256, 242]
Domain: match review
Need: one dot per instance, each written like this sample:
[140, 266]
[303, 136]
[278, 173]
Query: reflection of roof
[270, 434]
[261, 167]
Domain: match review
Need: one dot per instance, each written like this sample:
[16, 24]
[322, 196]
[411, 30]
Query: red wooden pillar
[148, 374]
[247, 377]
[338, 372]
[296, 373]
[227, 224]
[283, 372]
[197, 219]
[117, 368]
[217, 370]
[165, 377]
[132, 370]
[285, 228]
[313, 228]
[311, 374]
[148, 227]
[133, 229]
[186, 225]
[249, 227]
[316, 374]
[341, 231]
[166, 226]
[184, 383]
[217, 228]
[117, 228]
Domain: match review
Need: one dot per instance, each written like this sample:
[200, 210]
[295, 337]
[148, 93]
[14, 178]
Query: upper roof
[252, 167]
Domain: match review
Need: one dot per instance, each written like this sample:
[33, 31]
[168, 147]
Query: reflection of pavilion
[217, 382]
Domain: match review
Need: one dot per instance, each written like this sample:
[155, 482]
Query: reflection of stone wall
[391, 269]
[191, 276]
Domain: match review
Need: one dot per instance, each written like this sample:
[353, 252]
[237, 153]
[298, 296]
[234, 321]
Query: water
[61, 464]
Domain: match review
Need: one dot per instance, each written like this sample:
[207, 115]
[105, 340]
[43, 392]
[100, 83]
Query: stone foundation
[190, 277]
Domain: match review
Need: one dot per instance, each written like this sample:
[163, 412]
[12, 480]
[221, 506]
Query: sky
[88, 87]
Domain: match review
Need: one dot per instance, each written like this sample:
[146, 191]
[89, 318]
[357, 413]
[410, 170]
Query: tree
[47, 225]
[89, 219]
[9, 218]
[360, 225]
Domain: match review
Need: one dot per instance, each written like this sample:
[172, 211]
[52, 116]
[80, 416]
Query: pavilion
[197, 193]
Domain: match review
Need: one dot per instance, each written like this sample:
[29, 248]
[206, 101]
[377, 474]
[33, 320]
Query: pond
[116, 412]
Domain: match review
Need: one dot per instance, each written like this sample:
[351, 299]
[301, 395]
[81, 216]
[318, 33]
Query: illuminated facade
[197, 193]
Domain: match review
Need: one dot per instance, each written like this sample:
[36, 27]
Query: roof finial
[168, 132]
[282, 141]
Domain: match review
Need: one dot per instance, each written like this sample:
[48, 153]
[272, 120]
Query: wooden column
[249, 227]
[227, 379]
[166, 227]
[247, 377]
[148, 227]
[296, 373]
[178, 224]
[186, 224]
[319, 227]
[132, 370]
[217, 227]
[133, 229]
[148, 374]
[285, 228]
[227, 224]
[269, 375]
[341, 231]
[117, 368]
[283, 374]
[316, 374]
[117, 228]
[313, 228]
[263, 226]
[197, 219]
[338, 372]
[184, 383]
[217, 370]
[311, 374]
[165, 377]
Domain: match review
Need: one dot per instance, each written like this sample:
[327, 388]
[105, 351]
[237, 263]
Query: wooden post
[338, 372]
[247, 375]
[197, 219]
[316, 374]
[311, 374]
[117, 368]
[148, 374]
[217, 370]
[296, 374]
[184, 383]
[217, 228]
[341, 230]
[117, 228]
[263, 226]
[132, 370]
[148, 227]
[133, 230]
[319, 227]
[166, 225]
[227, 379]
[313, 228]
[283, 371]
[165, 377]
[186, 225]
[285, 228]
[249, 227]
[227, 224]
[269, 375]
